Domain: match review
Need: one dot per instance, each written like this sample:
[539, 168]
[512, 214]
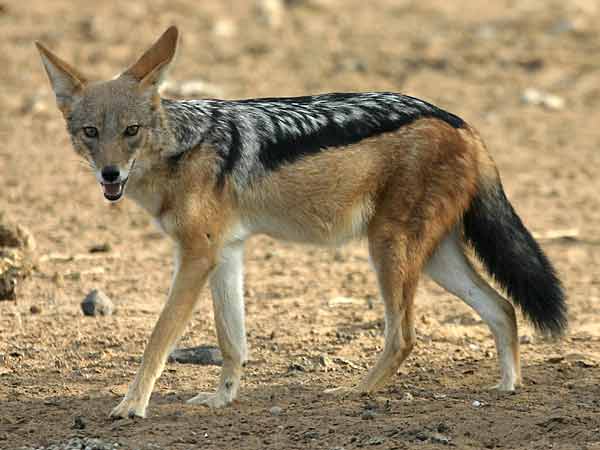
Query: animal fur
[414, 179]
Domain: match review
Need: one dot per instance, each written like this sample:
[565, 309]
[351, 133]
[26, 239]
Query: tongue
[112, 189]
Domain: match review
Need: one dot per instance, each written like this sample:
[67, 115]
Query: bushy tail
[513, 257]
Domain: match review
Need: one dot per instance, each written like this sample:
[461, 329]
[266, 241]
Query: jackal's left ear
[152, 65]
[66, 82]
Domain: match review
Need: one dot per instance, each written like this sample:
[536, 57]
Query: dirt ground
[480, 60]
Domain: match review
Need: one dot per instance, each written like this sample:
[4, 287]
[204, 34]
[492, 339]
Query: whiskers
[137, 168]
[84, 163]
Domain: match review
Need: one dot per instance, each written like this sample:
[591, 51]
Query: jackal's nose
[110, 174]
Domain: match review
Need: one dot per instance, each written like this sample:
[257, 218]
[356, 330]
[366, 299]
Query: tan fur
[405, 191]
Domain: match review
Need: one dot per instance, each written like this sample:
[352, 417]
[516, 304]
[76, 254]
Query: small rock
[271, 12]
[439, 438]
[346, 362]
[555, 359]
[443, 428]
[296, 367]
[16, 236]
[532, 96]
[325, 361]
[476, 404]
[34, 309]
[407, 397]
[367, 415]
[375, 440]
[311, 434]
[204, 355]
[58, 279]
[276, 411]
[586, 363]
[100, 248]
[78, 423]
[8, 286]
[97, 303]
[34, 104]
[422, 436]
[224, 28]
[343, 301]
[526, 339]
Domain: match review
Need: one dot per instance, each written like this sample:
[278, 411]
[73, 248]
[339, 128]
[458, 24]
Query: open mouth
[114, 191]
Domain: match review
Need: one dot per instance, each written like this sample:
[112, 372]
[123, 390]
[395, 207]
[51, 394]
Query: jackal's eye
[90, 132]
[132, 130]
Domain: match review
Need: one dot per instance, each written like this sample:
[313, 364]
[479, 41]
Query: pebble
[439, 438]
[526, 339]
[407, 397]
[271, 12]
[367, 415]
[97, 303]
[375, 440]
[276, 411]
[34, 309]
[78, 444]
[325, 361]
[100, 248]
[532, 96]
[78, 423]
[204, 355]
[476, 403]
[225, 28]
[8, 285]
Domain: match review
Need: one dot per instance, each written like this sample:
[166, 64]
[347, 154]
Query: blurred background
[525, 73]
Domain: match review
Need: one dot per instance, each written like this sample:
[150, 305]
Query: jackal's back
[256, 136]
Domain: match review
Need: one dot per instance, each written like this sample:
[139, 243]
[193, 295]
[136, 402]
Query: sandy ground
[475, 59]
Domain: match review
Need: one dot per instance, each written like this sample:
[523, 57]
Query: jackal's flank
[415, 180]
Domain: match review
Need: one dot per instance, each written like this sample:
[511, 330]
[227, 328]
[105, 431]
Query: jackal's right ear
[152, 65]
[66, 82]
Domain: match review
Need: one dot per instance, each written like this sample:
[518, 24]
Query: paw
[342, 391]
[128, 409]
[218, 399]
[505, 386]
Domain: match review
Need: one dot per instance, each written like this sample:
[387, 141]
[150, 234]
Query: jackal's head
[113, 124]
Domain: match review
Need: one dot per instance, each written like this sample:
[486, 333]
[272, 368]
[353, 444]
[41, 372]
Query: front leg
[191, 271]
[226, 284]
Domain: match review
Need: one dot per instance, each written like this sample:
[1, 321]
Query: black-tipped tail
[513, 257]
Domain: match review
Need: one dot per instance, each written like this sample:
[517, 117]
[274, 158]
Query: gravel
[79, 444]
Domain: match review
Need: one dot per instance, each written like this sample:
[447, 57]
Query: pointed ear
[152, 65]
[66, 82]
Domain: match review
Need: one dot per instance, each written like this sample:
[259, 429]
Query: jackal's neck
[188, 121]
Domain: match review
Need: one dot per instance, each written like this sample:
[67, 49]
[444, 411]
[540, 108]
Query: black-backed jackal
[415, 180]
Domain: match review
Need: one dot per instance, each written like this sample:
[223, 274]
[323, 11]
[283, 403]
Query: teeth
[112, 189]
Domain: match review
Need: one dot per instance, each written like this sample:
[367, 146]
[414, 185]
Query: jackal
[413, 179]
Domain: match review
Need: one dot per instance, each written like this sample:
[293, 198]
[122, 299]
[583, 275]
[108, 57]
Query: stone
[97, 303]
[276, 411]
[100, 248]
[78, 423]
[367, 415]
[204, 355]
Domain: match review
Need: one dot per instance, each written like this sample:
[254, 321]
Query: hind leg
[398, 277]
[450, 268]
